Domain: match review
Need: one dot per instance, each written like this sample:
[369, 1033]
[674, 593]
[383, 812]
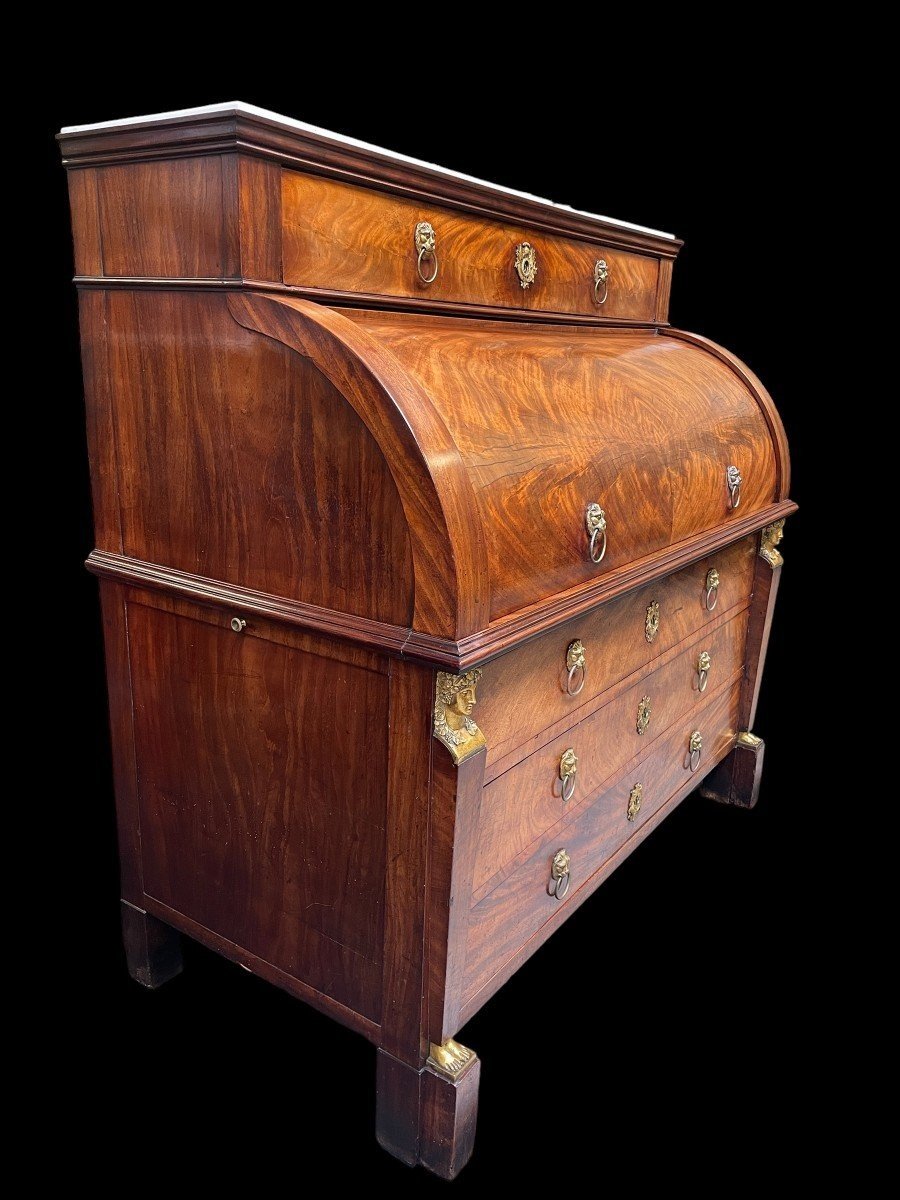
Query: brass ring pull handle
[735, 480]
[704, 662]
[695, 749]
[568, 768]
[559, 875]
[426, 241]
[601, 279]
[712, 589]
[575, 661]
[595, 522]
[238, 624]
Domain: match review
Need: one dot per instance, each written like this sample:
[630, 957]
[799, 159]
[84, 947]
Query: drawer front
[345, 238]
[503, 922]
[543, 790]
[524, 699]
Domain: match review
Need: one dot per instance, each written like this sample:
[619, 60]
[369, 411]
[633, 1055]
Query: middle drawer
[530, 798]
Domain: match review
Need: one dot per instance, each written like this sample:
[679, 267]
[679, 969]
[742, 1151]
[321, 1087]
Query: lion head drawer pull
[575, 661]
[559, 875]
[635, 799]
[238, 624]
[526, 264]
[695, 749]
[712, 589]
[595, 523]
[426, 243]
[735, 480]
[568, 768]
[704, 662]
[601, 280]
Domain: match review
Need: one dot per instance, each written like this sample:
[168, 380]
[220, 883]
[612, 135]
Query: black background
[641, 1036]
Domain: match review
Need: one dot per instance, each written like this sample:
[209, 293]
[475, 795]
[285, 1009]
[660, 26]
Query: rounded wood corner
[447, 539]
[760, 394]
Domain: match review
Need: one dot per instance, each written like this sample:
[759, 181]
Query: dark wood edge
[377, 300]
[736, 780]
[219, 133]
[265, 970]
[586, 890]
[423, 647]
[760, 394]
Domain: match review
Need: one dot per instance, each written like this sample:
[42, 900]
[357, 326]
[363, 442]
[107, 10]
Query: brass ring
[735, 490]
[568, 792]
[597, 558]
[597, 283]
[713, 594]
[422, 254]
[572, 671]
[695, 760]
[562, 886]
[704, 680]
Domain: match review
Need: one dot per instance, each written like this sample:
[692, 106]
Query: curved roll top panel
[515, 431]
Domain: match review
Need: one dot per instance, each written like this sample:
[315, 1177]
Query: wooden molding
[422, 647]
[225, 132]
[386, 303]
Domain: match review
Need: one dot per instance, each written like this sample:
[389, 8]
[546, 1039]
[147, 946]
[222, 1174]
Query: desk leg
[425, 1117]
[152, 949]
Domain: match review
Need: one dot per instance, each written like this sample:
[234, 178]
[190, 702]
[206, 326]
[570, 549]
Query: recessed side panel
[262, 772]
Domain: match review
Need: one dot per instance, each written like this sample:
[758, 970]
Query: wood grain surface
[168, 218]
[503, 926]
[262, 808]
[119, 688]
[407, 855]
[762, 611]
[357, 240]
[641, 424]
[372, 494]
[523, 693]
[423, 1117]
[525, 801]
[449, 557]
[240, 461]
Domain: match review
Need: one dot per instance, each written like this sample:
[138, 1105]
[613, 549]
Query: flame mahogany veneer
[324, 492]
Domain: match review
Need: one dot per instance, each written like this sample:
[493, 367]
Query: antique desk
[372, 443]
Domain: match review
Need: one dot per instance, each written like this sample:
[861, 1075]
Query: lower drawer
[527, 800]
[509, 919]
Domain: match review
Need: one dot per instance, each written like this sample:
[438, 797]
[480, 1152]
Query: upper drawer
[526, 697]
[350, 239]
